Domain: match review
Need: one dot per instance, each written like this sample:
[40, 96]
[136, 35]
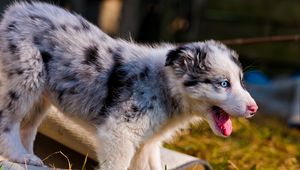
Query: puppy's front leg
[147, 157]
[115, 150]
[155, 161]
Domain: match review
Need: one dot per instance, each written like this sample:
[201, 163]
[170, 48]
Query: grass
[66, 157]
[84, 163]
[261, 143]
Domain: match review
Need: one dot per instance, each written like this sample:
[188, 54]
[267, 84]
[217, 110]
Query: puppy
[135, 95]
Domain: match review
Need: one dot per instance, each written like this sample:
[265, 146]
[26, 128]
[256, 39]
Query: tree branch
[256, 40]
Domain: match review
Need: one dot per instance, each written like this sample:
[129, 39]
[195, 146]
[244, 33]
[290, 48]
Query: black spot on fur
[128, 116]
[134, 108]
[46, 56]
[70, 78]
[20, 71]
[11, 73]
[85, 25]
[144, 73]
[154, 98]
[36, 40]
[44, 20]
[136, 112]
[1, 114]
[60, 94]
[151, 107]
[190, 83]
[40, 74]
[172, 56]
[91, 57]
[6, 129]
[13, 95]
[116, 83]
[128, 82]
[109, 50]
[76, 28]
[12, 48]
[12, 27]
[63, 27]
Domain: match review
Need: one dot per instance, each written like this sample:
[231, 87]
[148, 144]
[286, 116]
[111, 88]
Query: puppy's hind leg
[22, 78]
[31, 122]
[12, 113]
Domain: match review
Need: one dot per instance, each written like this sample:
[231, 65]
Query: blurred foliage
[255, 17]
[195, 20]
[229, 19]
[260, 143]
[271, 58]
[216, 19]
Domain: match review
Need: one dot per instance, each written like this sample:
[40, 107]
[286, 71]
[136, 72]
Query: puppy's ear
[179, 56]
[186, 58]
[173, 56]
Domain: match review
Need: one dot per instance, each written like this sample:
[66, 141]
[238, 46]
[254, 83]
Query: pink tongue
[224, 124]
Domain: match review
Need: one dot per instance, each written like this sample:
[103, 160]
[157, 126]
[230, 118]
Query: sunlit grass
[260, 143]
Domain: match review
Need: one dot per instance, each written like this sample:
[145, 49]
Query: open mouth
[222, 121]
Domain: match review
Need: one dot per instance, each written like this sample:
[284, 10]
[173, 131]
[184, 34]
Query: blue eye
[225, 84]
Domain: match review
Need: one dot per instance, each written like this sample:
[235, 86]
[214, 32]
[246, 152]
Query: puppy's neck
[181, 104]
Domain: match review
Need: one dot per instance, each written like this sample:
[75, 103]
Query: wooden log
[79, 136]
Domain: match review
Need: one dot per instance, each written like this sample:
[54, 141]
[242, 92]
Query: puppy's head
[210, 79]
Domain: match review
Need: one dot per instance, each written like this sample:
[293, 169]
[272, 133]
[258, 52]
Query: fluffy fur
[135, 95]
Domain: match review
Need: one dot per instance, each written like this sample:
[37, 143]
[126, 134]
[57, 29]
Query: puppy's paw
[28, 159]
